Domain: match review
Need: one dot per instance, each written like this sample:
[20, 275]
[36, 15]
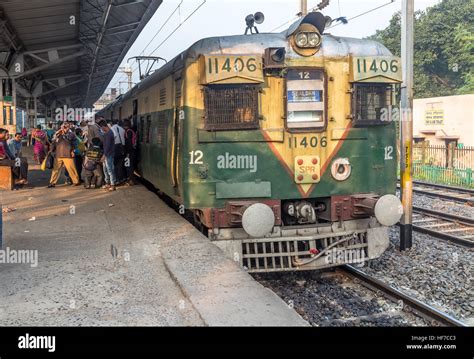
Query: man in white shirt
[119, 161]
[119, 134]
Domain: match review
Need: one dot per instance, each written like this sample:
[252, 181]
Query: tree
[444, 44]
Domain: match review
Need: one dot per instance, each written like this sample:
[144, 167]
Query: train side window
[141, 131]
[372, 103]
[231, 107]
[134, 113]
[148, 129]
[306, 95]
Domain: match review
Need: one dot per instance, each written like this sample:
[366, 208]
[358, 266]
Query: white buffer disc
[258, 220]
[388, 210]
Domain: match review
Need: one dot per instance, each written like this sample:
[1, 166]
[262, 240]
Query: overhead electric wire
[181, 24]
[364, 13]
[295, 18]
[177, 28]
[204, 1]
[352, 18]
[162, 26]
[154, 37]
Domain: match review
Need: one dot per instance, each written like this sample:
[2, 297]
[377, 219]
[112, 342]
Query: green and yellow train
[282, 145]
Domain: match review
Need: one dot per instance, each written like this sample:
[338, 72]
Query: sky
[227, 17]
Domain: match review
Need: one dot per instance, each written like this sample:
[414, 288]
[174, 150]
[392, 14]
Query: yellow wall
[458, 118]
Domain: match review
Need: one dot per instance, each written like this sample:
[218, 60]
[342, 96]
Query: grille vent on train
[275, 254]
[163, 97]
[369, 101]
[231, 107]
[162, 124]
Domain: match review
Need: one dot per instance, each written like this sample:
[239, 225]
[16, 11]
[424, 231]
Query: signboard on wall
[434, 117]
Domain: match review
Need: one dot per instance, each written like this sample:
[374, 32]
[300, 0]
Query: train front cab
[293, 165]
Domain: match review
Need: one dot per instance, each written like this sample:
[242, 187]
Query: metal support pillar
[1, 103]
[14, 107]
[406, 146]
[35, 99]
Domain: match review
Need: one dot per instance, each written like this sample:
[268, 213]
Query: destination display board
[231, 69]
[305, 98]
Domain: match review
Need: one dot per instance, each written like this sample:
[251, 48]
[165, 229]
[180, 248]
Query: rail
[455, 194]
[457, 229]
[421, 309]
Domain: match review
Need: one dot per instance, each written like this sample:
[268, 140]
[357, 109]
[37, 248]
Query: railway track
[416, 307]
[455, 194]
[459, 230]
[419, 308]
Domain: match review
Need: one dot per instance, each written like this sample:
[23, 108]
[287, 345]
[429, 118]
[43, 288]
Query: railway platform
[124, 258]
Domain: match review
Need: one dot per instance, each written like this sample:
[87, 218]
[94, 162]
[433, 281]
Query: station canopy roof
[65, 52]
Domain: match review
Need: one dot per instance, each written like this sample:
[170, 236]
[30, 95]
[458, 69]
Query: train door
[177, 128]
[140, 141]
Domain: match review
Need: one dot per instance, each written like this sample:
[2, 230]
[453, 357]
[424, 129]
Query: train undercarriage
[273, 235]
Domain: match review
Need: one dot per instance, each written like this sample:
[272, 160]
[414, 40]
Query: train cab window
[372, 103]
[306, 99]
[231, 107]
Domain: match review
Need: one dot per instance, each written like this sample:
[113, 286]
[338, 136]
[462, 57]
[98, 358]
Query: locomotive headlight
[301, 39]
[341, 169]
[314, 39]
[306, 40]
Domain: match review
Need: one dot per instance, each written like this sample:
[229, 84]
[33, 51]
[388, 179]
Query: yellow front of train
[295, 143]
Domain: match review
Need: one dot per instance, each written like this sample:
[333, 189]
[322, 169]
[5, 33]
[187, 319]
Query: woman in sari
[41, 141]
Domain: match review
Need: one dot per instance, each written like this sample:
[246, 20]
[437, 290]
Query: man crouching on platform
[63, 149]
[92, 172]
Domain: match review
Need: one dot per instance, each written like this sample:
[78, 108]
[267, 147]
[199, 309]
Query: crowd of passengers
[101, 154]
